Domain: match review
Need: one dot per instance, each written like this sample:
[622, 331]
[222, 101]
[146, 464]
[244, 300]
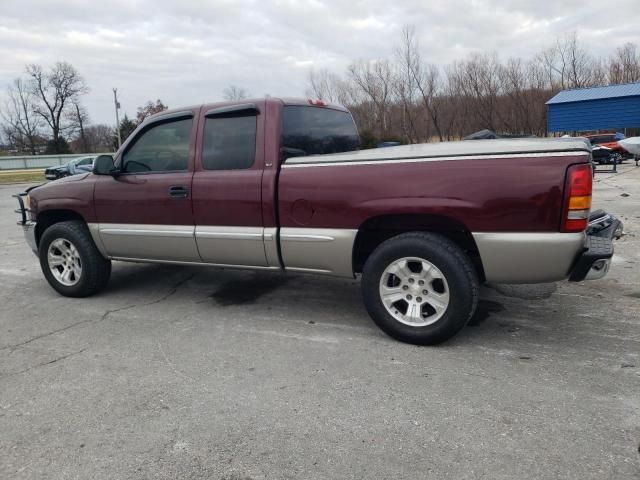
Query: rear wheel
[70, 261]
[419, 288]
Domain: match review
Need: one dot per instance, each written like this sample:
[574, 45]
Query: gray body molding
[528, 257]
[314, 250]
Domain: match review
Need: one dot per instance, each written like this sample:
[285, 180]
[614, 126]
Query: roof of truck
[229, 103]
[461, 149]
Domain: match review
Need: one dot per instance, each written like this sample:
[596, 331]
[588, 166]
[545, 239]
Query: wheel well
[49, 217]
[378, 229]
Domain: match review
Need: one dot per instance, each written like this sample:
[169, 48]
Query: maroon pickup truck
[278, 184]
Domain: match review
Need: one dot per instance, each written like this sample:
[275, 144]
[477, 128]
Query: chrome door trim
[318, 250]
[180, 231]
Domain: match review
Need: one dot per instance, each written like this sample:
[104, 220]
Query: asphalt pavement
[194, 373]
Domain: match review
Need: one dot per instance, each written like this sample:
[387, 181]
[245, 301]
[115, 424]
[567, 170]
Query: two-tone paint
[305, 214]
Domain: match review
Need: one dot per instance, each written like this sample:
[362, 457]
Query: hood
[59, 184]
[57, 167]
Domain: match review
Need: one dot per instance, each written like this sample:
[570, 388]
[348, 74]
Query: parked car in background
[73, 167]
[609, 140]
[605, 155]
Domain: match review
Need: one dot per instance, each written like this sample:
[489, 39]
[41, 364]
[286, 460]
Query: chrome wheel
[64, 262]
[414, 291]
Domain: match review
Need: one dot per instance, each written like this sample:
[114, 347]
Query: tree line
[43, 113]
[401, 97]
[406, 98]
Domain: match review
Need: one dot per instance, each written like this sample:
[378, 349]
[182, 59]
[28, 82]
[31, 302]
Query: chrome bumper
[29, 229]
[28, 226]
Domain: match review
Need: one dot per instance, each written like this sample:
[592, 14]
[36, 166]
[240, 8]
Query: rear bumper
[549, 257]
[516, 258]
[594, 262]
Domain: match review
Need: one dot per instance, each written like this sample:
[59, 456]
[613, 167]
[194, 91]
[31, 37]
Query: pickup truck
[279, 184]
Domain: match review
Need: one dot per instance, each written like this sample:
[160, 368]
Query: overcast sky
[187, 51]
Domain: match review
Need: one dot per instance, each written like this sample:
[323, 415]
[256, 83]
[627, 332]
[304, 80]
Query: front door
[227, 187]
[145, 212]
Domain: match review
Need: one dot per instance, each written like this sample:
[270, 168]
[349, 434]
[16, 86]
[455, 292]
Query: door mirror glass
[103, 165]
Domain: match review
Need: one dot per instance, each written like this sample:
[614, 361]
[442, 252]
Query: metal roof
[596, 93]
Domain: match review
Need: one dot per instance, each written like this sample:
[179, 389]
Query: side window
[86, 161]
[229, 142]
[162, 148]
[316, 131]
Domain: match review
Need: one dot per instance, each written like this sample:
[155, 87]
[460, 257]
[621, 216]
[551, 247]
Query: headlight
[27, 202]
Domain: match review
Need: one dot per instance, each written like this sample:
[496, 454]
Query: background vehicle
[608, 140]
[278, 184]
[73, 167]
[605, 155]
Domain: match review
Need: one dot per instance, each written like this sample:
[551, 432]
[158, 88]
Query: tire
[70, 243]
[448, 278]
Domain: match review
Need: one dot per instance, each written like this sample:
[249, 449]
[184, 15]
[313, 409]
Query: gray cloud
[187, 52]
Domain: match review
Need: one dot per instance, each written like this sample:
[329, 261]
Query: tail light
[578, 198]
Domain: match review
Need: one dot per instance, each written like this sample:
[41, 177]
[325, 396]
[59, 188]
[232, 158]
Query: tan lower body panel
[528, 257]
[233, 247]
[318, 250]
[155, 242]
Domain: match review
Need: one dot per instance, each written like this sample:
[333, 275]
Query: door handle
[178, 191]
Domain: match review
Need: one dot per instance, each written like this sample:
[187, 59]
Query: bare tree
[99, 138]
[56, 90]
[569, 65]
[22, 125]
[375, 80]
[405, 83]
[624, 65]
[78, 118]
[148, 109]
[234, 93]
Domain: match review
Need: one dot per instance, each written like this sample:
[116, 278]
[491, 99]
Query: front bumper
[30, 235]
[594, 262]
[28, 225]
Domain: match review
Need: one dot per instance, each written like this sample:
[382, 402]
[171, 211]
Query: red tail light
[578, 198]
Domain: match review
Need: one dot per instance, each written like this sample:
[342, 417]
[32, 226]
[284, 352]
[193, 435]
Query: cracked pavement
[187, 372]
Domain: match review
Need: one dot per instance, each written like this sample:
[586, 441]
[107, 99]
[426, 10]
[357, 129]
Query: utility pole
[117, 104]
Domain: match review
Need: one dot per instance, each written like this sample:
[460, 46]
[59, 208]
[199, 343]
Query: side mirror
[103, 165]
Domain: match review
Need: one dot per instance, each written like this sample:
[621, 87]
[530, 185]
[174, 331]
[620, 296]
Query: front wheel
[70, 261]
[420, 288]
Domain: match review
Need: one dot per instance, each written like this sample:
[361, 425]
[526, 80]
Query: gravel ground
[185, 373]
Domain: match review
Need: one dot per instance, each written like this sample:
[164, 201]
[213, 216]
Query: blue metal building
[597, 108]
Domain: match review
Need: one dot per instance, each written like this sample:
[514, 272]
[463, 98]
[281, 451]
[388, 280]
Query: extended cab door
[145, 212]
[227, 186]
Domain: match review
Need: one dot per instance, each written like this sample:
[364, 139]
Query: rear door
[227, 186]
[145, 212]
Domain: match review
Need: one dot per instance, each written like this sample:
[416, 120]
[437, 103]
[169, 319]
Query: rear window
[229, 143]
[316, 131]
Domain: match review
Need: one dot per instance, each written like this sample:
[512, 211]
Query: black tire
[96, 269]
[455, 266]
